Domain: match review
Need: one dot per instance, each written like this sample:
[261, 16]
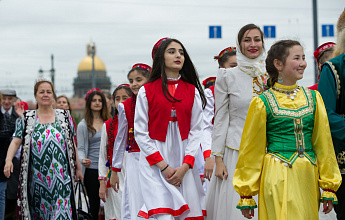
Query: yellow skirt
[289, 193]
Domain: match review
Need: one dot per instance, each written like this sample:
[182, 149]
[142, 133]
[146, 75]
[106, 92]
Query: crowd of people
[162, 147]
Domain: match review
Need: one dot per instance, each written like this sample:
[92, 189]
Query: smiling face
[173, 57]
[8, 101]
[136, 80]
[294, 66]
[44, 95]
[251, 43]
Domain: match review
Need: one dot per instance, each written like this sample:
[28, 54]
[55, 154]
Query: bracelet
[246, 197]
[329, 190]
[102, 178]
[165, 168]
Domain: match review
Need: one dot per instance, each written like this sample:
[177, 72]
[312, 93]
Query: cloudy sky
[125, 31]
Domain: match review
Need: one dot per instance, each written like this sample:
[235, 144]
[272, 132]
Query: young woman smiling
[234, 91]
[286, 154]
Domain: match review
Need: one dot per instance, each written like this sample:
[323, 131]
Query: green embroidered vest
[289, 131]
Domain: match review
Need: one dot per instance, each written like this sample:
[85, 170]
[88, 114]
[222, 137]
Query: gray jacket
[83, 142]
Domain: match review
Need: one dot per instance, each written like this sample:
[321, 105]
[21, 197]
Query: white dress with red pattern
[160, 197]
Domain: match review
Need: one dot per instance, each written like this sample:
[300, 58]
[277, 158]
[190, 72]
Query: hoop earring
[280, 78]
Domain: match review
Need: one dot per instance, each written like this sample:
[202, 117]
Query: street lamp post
[93, 77]
[52, 71]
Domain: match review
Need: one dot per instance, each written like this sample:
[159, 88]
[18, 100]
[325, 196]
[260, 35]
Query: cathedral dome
[86, 64]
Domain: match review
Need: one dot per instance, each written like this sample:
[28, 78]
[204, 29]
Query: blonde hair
[340, 47]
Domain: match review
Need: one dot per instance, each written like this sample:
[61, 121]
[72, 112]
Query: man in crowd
[8, 117]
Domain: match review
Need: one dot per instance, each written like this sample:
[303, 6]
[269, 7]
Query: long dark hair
[280, 51]
[188, 71]
[88, 112]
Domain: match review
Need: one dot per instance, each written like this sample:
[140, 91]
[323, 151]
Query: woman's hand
[327, 206]
[103, 191]
[202, 180]
[8, 169]
[221, 171]
[79, 174]
[19, 109]
[209, 165]
[177, 177]
[248, 213]
[114, 181]
[86, 162]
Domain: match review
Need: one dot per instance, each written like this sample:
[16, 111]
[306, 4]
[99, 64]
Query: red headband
[226, 50]
[127, 85]
[91, 91]
[322, 48]
[209, 80]
[156, 46]
[143, 66]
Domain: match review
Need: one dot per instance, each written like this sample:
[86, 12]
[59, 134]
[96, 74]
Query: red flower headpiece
[91, 91]
[226, 50]
[322, 48]
[209, 80]
[127, 85]
[156, 46]
[143, 66]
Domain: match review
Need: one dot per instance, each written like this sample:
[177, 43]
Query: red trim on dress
[207, 153]
[154, 158]
[188, 159]
[116, 169]
[172, 212]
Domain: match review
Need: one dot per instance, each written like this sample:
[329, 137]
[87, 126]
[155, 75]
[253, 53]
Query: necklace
[290, 93]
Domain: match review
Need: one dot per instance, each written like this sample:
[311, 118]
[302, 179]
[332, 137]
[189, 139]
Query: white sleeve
[221, 117]
[208, 115]
[102, 169]
[200, 163]
[141, 131]
[195, 132]
[121, 139]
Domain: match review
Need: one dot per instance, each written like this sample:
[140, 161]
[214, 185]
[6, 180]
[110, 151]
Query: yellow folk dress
[287, 177]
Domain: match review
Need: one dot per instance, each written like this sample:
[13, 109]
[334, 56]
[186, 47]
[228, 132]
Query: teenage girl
[89, 140]
[131, 199]
[226, 59]
[112, 200]
[168, 128]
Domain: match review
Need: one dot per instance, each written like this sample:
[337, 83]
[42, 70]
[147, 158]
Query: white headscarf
[254, 67]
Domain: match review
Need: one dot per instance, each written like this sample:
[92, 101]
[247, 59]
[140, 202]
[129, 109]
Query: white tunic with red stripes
[160, 197]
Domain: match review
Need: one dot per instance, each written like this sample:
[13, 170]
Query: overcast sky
[125, 31]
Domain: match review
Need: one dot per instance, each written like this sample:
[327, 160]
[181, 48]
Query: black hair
[188, 71]
[128, 91]
[222, 60]
[143, 72]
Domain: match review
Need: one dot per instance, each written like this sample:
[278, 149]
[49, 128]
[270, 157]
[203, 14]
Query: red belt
[173, 119]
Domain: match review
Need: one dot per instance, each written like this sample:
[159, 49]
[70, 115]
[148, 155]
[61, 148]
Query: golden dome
[86, 64]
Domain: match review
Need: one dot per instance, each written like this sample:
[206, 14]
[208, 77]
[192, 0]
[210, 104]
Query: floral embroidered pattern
[278, 110]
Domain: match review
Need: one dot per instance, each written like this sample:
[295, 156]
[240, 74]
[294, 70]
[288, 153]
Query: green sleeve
[328, 90]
